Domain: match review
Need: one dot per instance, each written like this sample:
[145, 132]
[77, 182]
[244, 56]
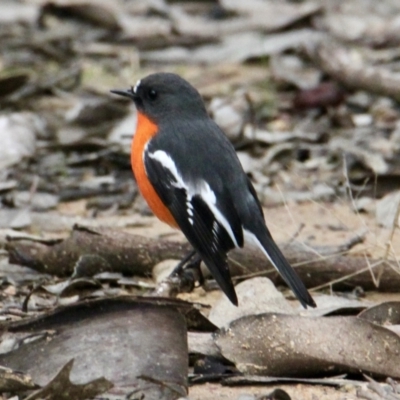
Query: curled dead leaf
[288, 345]
[138, 344]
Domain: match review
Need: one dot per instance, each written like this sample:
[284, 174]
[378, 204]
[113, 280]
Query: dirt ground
[321, 224]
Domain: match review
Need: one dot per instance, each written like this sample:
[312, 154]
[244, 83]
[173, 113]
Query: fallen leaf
[387, 209]
[256, 296]
[18, 135]
[288, 345]
[387, 313]
[118, 338]
[61, 388]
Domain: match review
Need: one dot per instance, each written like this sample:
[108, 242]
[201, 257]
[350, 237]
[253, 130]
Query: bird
[191, 177]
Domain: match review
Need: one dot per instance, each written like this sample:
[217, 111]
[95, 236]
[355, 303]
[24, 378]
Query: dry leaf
[129, 341]
[61, 388]
[287, 345]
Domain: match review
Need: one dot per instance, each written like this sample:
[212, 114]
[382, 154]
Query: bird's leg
[192, 272]
[183, 278]
[188, 272]
[178, 269]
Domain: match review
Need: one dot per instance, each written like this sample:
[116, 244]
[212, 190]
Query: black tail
[289, 275]
[220, 271]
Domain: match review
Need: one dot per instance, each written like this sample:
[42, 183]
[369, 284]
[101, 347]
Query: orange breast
[145, 130]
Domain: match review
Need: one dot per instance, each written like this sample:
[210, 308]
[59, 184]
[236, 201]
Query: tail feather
[220, 271]
[266, 243]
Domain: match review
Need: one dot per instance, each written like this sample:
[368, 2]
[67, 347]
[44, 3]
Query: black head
[165, 95]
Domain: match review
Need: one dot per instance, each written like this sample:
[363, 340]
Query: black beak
[125, 93]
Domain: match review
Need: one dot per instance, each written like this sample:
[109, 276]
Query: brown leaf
[61, 388]
[387, 313]
[287, 345]
[119, 338]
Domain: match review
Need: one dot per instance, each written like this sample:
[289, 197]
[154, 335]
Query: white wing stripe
[168, 163]
[209, 197]
[201, 188]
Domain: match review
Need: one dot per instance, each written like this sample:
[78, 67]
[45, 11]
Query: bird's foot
[188, 272]
[185, 277]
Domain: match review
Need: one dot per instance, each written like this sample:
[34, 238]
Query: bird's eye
[152, 94]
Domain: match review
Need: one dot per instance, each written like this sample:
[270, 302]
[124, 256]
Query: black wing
[198, 223]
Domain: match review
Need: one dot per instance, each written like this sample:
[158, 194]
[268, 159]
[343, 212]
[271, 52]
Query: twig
[347, 67]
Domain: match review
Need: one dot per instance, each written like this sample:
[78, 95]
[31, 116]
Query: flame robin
[189, 174]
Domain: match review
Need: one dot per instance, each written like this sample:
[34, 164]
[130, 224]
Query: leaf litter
[107, 337]
[312, 89]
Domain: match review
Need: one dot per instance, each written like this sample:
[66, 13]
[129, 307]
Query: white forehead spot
[136, 86]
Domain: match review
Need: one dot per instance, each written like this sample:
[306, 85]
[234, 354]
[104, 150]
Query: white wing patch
[136, 87]
[168, 163]
[208, 196]
[189, 209]
[200, 188]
